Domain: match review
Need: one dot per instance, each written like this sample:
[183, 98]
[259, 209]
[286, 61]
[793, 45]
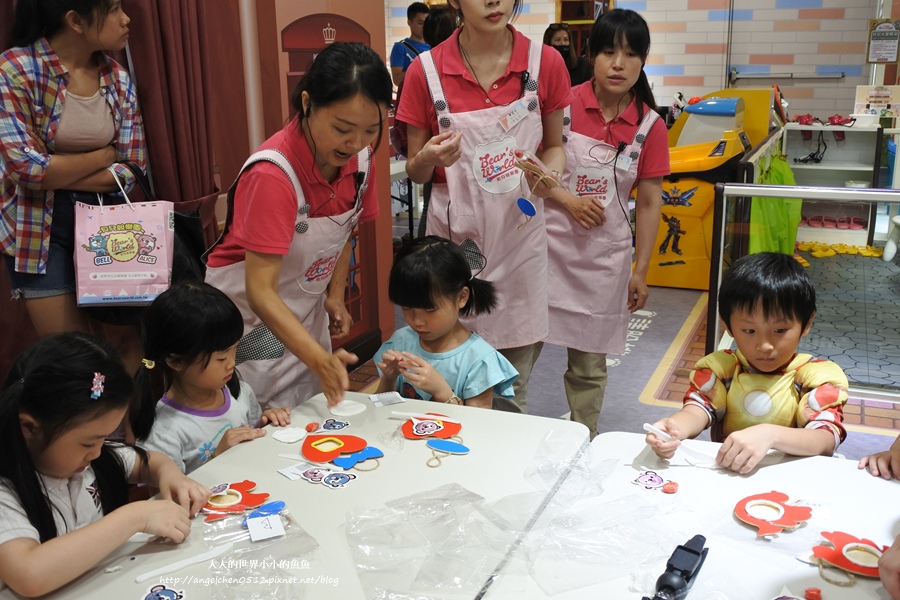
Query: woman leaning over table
[469, 104]
[285, 253]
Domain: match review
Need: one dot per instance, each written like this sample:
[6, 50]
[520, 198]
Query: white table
[502, 446]
[737, 566]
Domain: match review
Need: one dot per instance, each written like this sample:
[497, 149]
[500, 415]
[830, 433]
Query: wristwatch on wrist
[454, 399]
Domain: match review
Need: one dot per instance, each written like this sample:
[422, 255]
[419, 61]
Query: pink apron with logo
[590, 269]
[479, 202]
[278, 377]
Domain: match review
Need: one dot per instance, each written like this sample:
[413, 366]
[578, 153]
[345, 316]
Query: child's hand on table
[889, 569]
[664, 448]
[178, 487]
[742, 450]
[162, 518]
[279, 417]
[237, 435]
[883, 464]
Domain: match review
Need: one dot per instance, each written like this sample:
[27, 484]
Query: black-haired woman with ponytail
[285, 253]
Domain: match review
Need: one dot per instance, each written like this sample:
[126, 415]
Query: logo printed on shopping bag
[121, 243]
[495, 167]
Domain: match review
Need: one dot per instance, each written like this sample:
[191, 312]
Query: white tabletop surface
[738, 566]
[503, 445]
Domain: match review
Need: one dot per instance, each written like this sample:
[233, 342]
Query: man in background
[406, 50]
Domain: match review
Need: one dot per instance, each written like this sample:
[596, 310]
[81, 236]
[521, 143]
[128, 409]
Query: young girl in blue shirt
[436, 357]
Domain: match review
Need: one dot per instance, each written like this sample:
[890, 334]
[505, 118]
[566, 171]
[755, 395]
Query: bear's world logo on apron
[317, 275]
[495, 167]
[595, 182]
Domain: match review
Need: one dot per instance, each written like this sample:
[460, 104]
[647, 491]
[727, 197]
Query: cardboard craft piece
[232, 498]
[783, 516]
[417, 429]
[855, 555]
[323, 448]
[335, 425]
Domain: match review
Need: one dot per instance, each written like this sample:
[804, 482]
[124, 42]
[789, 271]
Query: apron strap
[281, 161]
[363, 163]
[640, 136]
[433, 81]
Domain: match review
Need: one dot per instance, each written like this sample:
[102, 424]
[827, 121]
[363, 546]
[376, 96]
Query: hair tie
[97, 385]
[148, 364]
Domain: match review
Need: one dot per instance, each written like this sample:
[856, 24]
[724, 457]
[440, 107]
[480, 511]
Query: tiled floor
[856, 326]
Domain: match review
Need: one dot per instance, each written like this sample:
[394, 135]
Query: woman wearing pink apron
[615, 142]
[483, 93]
[284, 255]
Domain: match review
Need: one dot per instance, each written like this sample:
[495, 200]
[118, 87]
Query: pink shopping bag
[123, 253]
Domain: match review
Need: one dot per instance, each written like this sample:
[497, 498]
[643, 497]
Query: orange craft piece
[232, 498]
[786, 516]
[325, 448]
[856, 555]
[417, 429]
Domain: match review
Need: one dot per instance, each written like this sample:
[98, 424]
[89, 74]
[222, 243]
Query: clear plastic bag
[599, 542]
[264, 570]
[445, 540]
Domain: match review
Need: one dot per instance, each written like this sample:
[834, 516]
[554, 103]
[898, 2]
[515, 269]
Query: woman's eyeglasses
[555, 26]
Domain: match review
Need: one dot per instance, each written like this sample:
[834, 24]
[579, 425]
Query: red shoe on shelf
[858, 223]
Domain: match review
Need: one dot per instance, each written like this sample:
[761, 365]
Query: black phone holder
[681, 569]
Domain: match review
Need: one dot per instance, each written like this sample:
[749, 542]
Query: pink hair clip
[97, 385]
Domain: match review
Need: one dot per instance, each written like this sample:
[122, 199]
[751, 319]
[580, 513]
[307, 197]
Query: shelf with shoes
[834, 156]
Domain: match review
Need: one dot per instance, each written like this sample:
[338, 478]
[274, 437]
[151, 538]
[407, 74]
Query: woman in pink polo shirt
[469, 104]
[615, 143]
[285, 253]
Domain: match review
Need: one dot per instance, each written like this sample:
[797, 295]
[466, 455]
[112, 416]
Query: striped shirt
[32, 96]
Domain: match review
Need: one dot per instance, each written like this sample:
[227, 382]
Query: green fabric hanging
[773, 221]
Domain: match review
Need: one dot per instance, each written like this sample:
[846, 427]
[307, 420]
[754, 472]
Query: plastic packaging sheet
[443, 540]
[599, 541]
[271, 569]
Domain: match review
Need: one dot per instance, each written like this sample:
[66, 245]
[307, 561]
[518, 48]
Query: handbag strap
[142, 180]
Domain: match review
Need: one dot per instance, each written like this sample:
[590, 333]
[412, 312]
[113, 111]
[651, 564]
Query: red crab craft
[232, 498]
[418, 428]
[856, 555]
[785, 516]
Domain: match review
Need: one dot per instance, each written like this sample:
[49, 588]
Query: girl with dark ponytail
[63, 488]
[437, 358]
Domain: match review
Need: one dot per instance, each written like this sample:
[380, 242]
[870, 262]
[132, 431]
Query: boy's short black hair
[416, 8]
[773, 280]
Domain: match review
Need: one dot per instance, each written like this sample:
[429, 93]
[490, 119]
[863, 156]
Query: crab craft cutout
[784, 516]
[854, 555]
[416, 429]
[325, 448]
[232, 498]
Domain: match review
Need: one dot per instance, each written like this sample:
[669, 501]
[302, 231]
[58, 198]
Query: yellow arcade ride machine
[705, 145]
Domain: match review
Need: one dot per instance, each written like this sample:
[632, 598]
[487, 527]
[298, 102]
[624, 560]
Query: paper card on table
[263, 528]
[386, 398]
